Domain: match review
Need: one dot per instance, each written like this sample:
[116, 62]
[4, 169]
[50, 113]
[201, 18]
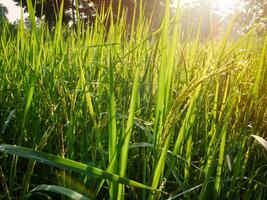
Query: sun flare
[225, 6]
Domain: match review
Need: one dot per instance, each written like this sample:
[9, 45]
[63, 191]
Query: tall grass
[131, 113]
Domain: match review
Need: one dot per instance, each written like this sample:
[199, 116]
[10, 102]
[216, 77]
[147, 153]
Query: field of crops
[130, 113]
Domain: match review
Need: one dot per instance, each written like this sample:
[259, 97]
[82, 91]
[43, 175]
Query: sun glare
[225, 6]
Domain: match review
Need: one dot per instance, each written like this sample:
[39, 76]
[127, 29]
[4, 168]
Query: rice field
[130, 113]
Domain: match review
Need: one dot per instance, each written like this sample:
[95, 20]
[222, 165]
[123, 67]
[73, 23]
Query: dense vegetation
[88, 9]
[175, 114]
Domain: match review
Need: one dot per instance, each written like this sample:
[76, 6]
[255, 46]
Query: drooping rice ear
[262, 141]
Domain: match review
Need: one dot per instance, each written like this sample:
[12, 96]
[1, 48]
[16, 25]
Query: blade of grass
[128, 133]
[60, 190]
[112, 130]
[72, 165]
[261, 141]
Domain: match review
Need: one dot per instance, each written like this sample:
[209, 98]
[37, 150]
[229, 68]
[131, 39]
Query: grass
[126, 113]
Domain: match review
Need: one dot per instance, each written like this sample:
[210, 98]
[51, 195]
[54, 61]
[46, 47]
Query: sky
[224, 6]
[13, 10]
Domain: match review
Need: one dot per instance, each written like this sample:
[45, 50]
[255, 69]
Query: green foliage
[60, 190]
[261, 141]
[3, 18]
[3, 12]
[88, 10]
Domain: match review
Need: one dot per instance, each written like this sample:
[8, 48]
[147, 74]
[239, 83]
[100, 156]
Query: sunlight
[13, 10]
[225, 6]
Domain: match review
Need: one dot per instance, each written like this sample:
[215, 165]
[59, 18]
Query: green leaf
[72, 165]
[60, 190]
[261, 141]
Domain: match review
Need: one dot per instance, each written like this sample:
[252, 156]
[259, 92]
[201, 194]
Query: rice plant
[130, 112]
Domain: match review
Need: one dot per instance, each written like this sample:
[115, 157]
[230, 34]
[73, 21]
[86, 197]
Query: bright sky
[13, 10]
[224, 6]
